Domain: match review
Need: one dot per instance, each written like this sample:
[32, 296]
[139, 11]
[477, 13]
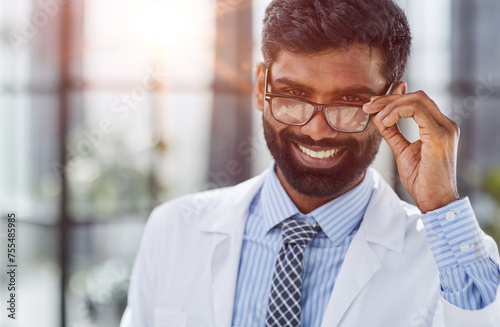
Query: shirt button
[450, 216]
[465, 247]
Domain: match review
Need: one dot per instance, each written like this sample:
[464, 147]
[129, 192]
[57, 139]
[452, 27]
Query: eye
[296, 93]
[351, 98]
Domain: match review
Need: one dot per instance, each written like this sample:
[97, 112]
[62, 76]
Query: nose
[317, 128]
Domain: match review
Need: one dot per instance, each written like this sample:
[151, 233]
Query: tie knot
[298, 232]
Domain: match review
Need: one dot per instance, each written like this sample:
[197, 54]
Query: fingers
[394, 100]
[437, 131]
[417, 105]
[396, 141]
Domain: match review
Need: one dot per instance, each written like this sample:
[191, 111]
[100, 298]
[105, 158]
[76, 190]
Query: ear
[400, 88]
[260, 76]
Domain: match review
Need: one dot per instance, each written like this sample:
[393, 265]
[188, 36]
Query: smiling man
[319, 239]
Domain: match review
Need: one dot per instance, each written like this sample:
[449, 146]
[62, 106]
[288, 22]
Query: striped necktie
[284, 305]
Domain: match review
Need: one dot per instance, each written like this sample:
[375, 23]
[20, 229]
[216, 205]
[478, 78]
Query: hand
[427, 167]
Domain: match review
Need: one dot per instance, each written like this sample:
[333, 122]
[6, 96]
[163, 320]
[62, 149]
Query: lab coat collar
[227, 208]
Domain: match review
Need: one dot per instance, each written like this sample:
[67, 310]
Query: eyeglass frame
[317, 106]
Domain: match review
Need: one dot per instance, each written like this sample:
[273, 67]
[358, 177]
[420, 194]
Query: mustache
[326, 143]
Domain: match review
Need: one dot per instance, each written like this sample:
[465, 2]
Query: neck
[305, 203]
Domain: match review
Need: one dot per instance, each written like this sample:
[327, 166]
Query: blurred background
[108, 108]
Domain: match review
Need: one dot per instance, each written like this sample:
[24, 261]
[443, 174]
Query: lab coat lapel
[383, 225]
[225, 222]
[360, 264]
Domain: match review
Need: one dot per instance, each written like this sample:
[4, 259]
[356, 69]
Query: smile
[319, 154]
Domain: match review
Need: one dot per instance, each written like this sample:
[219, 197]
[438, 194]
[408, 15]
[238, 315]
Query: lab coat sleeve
[141, 305]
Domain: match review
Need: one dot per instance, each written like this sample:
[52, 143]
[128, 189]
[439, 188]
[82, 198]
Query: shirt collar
[276, 204]
[337, 218]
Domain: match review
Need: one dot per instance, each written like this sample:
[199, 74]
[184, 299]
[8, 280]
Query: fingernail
[368, 103]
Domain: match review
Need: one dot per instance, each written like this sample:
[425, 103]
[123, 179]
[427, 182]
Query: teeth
[319, 154]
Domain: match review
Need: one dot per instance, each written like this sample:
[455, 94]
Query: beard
[326, 183]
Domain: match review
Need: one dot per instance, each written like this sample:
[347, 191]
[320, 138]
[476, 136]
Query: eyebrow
[355, 89]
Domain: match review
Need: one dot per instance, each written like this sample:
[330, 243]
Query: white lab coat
[186, 269]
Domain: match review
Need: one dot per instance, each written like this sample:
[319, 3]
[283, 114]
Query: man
[319, 239]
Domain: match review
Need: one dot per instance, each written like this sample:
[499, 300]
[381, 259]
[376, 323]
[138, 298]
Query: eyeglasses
[347, 118]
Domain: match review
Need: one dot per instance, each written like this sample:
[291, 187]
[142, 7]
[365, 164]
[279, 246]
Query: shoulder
[193, 207]
[413, 215]
[382, 190]
[415, 231]
[394, 218]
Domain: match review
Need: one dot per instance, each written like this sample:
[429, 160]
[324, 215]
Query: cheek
[275, 126]
[371, 138]
[370, 131]
[368, 139]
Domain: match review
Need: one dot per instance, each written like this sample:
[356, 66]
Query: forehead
[356, 65]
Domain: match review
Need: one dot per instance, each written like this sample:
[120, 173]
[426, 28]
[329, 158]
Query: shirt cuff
[469, 277]
[454, 235]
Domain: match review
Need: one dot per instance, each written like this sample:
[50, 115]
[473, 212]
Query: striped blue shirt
[339, 220]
